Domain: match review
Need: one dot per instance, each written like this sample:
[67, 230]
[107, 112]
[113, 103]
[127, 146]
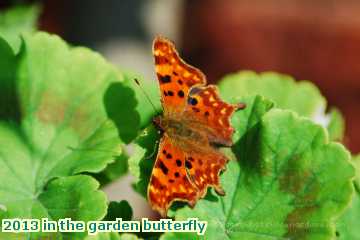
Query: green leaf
[336, 125]
[16, 21]
[348, 224]
[302, 97]
[136, 113]
[128, 236]
[247, 127]
[64, 119]
[63, 129]
[120, 209]
[143, 157]
[9, 108]
[113, 171]
[356, 161]
[104, 236]
[147, 95]
[142, 104]
[126, 118]
[69, 196]
[138, 103]
[73, 197]
[113, 236]
[11, 236]
[289, 181]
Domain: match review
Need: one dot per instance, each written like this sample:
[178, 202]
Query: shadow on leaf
[247, 151]
[248, 148]
[9, 108]
[120, 209]
[149, 141]
[120, 104]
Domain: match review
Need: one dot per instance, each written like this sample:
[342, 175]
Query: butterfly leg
[240, 106]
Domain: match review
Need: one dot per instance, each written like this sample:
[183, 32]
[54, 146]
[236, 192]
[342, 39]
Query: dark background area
[311, 40]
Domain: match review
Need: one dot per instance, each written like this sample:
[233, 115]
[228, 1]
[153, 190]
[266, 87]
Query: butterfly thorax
[178, 130]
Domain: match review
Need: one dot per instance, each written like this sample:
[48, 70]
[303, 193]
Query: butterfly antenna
[146, 95]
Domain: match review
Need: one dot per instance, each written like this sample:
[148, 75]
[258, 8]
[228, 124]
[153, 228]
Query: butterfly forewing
[174, 75]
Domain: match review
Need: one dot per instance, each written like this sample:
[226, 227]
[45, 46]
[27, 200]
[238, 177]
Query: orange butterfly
[194, 122]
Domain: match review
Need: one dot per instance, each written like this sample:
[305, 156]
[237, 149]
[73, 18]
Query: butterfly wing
[204, 167]
[208, 113]
[174, 75]
[182, 90]
[181, 174]
[169, 180]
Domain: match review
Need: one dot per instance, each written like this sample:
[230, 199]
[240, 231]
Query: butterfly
[194, 123]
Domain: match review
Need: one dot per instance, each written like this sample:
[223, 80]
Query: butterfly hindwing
[174, 75]
[169, 180]
[204, 169]
[181, 174]
[212, 115]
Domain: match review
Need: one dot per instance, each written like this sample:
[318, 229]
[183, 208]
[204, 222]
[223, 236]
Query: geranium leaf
[113, 236]
[302, 97]
[63, 130]
[120, 209]
[298, 183]
[143, 157]
[347, 224]
[16, 21]
[336, 125]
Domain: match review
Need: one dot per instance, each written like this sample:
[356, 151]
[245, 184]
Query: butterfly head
[159, 123]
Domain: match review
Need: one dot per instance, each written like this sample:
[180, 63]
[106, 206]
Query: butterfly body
[180, 132]
[195, 121]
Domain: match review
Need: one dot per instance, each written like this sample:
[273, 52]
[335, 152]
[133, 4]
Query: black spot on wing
[188, 164]
[164, 79]
[181, 93]
[178, 162]
[163, 168]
